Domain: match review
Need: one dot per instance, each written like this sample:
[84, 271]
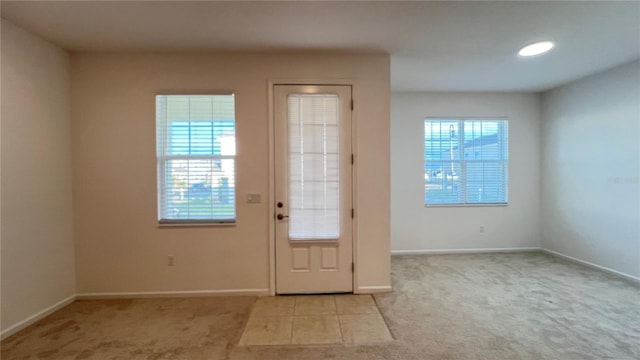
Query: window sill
[189, 223]
[465, 205]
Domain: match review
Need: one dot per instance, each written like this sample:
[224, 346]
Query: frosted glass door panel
[314, 167]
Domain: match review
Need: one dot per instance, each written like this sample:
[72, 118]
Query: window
[196, 158]
[314, 166]
[466, 162]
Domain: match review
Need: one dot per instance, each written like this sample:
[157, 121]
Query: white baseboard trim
[172, 294]
[36, 317]
[592, 265]
[373, 289]
[463, 251]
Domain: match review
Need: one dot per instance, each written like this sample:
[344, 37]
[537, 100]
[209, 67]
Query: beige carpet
[489, 306]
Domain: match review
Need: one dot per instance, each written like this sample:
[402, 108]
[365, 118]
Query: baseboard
[36, 317]
[171, 294]
[463, 251]
[592, 265]
[373, 289]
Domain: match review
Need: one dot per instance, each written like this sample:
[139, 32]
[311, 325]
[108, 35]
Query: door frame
[272, 172]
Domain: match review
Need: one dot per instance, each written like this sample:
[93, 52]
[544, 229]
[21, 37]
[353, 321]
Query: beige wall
[37, 220]
[590, 192]
[422, 230]
[120, 248]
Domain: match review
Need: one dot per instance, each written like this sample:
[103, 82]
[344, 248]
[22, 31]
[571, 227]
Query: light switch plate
[253, 198]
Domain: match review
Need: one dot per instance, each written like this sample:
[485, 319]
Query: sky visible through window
[202, 137]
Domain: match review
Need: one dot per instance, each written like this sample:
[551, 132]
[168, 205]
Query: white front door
[313, 203]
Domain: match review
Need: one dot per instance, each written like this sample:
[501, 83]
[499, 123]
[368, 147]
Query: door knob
[280, 216]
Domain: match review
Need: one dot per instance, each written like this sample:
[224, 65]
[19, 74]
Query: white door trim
[272, 162]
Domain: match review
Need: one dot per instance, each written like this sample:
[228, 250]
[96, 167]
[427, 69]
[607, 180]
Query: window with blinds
[196, 158]
[466, 162]
[314, 167]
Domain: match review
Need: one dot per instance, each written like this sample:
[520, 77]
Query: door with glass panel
[313, 205]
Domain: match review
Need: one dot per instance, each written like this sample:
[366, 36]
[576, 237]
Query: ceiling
[434, 46]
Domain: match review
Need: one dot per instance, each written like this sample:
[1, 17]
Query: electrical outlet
[481, 228]
[170, 260]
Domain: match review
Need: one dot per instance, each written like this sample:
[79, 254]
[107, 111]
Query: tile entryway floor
[315, 319]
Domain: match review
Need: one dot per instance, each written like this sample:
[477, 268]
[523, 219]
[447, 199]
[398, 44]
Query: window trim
[462, 161]
[160, 160]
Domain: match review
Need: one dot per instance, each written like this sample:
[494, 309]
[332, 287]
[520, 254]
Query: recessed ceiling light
[536, 48]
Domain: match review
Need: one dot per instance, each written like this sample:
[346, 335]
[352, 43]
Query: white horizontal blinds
[196, 157]
[443, 169]
[486, 157]
[466, 161]
[314, 167]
